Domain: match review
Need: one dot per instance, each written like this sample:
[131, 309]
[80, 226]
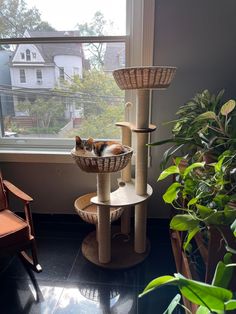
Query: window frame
[139, 34]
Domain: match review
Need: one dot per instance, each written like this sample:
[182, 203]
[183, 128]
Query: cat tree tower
[122, 248]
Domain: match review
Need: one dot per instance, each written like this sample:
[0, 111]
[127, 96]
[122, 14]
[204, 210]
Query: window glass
[76, 92]
[17, 16]
[22, 76]
[28, 56]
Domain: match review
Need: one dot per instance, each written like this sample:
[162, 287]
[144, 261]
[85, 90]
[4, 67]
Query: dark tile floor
[71, 284]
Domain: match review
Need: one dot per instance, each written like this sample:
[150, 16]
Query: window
[22, 76]
[61, 73]
[28, 57]
[76, 71]
[39, 75]
[22, 55]
[79, 94]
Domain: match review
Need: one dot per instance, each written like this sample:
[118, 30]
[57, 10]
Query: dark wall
[199, 38]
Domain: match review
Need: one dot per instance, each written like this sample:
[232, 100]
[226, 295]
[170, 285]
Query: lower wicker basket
[88, 211]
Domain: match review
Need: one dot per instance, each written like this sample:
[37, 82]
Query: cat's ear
[78, 141]
[90, 141]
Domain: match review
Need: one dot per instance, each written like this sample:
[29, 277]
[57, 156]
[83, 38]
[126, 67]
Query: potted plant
[203, 192]
[204, 197]
[205, 124]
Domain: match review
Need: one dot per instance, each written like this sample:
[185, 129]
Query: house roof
[49, 51]
[114, 56]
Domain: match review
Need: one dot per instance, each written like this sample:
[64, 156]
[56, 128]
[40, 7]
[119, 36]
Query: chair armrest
[16, 191]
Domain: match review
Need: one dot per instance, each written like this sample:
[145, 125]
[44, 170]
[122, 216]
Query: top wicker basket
[102, 164]
[144, 77]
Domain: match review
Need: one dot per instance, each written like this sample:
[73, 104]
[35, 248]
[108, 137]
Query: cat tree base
[122, 250]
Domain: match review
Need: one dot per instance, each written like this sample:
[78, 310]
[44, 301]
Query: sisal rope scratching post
[126, 177]
[126, 139]
[142, 122]
[142, 109]
[104, 227]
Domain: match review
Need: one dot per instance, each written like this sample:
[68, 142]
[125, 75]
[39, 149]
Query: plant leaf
[208, 115]
[191, 234]
[230, 305]
[193, 166]
[222, 275]
[173, 304]
[192, 201]
[227, 107]
[233, 227]
[167, 172]
[204, 211]
[183, 222]
[172, 192]
[204, 310]
[158, 282]
[204, 294]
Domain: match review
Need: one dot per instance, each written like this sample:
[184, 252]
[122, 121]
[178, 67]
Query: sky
[64, 15]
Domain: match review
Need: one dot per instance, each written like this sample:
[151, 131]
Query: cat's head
[86, 145]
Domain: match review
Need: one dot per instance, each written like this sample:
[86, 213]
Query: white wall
[68, 63]
[32, 49]
[48, 77]
[198, 36]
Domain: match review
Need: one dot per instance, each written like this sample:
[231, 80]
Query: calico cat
[99, 148]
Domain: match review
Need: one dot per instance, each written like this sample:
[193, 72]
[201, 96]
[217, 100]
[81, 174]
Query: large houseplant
[203, 191]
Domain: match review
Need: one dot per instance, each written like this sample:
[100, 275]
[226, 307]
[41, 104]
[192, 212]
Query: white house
[41, 67]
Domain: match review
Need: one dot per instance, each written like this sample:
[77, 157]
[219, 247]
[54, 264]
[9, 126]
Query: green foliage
[102, 103]
[45, 111]
[203, 191]
[204, 123]
[215, 297]
[16, 17]
[102, 125]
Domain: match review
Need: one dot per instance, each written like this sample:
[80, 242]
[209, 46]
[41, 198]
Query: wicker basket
[144, 77]
[102, 164]
[88, 211]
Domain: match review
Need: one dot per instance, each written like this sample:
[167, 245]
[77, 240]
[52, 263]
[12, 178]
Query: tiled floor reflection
[70, 284]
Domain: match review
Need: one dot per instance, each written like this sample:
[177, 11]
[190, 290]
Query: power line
[62, 93]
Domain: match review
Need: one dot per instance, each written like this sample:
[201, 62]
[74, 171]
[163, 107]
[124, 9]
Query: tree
[102, 103]
[46, 112]
[97, 27]
[16, 17]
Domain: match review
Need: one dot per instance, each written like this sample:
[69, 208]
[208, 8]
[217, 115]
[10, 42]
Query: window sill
[38, 156]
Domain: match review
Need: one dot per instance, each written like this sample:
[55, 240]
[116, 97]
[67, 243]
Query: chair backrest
[3, 198]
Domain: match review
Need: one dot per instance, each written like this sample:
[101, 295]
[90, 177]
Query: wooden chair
[16, 233]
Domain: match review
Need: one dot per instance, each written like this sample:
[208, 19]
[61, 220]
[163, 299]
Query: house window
[28, 57]
[22, 76]
[22, 55]
[76, 71]
[92, 95]
[61, 73]
[39, 75]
